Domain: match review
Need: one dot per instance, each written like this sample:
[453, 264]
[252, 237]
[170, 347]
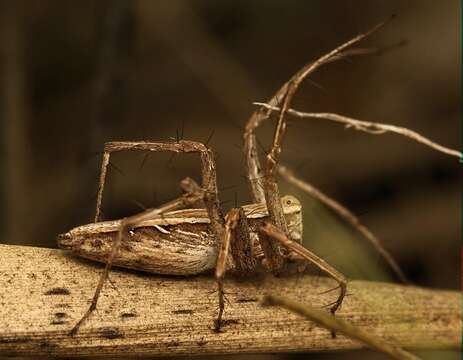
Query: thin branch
[369, 127]
[43, 293]
[335, 323]
[344, 214]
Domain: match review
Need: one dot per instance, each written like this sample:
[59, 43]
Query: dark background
[77, 74]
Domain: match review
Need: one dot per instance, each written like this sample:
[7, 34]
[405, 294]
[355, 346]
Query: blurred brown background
[77, 74]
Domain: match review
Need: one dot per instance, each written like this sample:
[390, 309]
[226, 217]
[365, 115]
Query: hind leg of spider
[183, 146]
[207, 193]
[236, 241]
[208, 172]
[123, 234]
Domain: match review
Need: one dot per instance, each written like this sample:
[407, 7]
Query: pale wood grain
[43, 292]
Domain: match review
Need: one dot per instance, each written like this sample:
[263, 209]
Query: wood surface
[43, 292]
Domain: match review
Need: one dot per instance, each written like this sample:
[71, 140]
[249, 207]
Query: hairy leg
[274, 233]
[263, 182]
[208, 193]
[254, 168]
[347, 216]
[122, 234]
[237, 241]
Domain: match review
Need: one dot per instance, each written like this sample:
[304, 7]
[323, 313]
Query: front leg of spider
[276, 230]
[272, 232]
[276, 234]
[262, 179]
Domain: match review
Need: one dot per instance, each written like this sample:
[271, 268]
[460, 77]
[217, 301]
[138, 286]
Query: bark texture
[43, 292]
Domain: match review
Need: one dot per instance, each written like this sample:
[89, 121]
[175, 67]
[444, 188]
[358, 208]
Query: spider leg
[208, 172]
[254, 168]
[276, 234]
[263, 182]
[123, 234]
[347, 216]
[208, 193]
[101, 183]
[236, 241]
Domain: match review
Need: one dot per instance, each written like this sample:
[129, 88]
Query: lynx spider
[270, 241]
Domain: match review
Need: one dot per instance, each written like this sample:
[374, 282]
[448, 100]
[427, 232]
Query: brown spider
[179, 238]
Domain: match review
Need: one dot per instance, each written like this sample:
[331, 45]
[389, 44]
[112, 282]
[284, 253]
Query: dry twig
[339, 325]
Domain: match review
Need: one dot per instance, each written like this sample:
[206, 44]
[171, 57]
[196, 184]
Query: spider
[180, 238]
